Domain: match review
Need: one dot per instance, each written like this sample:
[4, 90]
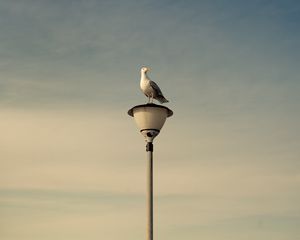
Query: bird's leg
[151, 97]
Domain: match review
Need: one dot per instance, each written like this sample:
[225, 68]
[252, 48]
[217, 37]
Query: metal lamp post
[150, 118]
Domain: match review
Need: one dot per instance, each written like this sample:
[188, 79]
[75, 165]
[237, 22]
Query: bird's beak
[148, 69]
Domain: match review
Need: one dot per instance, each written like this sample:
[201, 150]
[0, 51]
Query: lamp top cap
[130, 112]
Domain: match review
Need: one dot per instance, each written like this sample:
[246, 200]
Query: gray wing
[156, 88]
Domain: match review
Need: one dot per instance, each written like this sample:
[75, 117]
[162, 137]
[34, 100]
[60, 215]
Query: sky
[72, 162]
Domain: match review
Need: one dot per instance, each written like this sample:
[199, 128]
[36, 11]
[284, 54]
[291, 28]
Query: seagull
[150, 88]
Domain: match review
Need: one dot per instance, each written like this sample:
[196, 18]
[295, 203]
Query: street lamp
[150, 118]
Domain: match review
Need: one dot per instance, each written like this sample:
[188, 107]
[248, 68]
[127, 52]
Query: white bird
[150, 88]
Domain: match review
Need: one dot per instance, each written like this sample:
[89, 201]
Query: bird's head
[144, 69]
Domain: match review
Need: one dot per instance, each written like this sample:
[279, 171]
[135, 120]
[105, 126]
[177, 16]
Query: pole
[149, 149]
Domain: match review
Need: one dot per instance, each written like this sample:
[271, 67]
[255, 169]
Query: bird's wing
[156, 88]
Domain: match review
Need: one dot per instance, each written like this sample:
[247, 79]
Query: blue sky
[73, 162]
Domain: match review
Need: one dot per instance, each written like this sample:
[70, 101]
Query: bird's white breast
[145, 85]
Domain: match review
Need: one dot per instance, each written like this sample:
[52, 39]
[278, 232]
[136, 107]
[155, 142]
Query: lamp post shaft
[150, 118]
[149, 150]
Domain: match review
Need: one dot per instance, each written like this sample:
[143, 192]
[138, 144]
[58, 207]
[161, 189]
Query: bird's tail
[162, 99]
